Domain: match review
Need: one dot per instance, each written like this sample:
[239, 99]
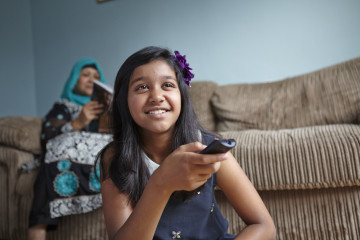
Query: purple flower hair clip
[184, 67]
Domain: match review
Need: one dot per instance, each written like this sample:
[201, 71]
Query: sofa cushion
[327, 96]
[303, 158]
[331, 213]
[21, 132]
[200, 94]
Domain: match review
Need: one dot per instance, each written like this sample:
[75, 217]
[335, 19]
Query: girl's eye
[168, 85]
[141, 87]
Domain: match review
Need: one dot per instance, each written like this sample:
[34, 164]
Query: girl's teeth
[157, 112]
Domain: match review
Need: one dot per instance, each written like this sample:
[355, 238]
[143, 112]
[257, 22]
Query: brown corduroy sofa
[298, 141]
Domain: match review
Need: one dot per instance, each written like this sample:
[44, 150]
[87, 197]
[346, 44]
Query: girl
[66, 183]
[154, 183]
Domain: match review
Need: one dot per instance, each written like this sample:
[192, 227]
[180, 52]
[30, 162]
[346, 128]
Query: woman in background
[67, 182]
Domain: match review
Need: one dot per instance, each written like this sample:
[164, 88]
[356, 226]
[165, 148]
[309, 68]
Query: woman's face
[154, 98]
[85, 84]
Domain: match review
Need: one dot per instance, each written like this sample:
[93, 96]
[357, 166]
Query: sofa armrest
[21, 132]
[302, 158]
[13, 184]
[12, 158]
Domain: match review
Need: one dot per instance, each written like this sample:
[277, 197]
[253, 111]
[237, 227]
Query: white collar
[153, 165]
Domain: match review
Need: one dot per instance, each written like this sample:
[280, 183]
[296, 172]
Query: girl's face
[85, 84]
[154, 98]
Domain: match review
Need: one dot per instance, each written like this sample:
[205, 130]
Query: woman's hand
[89, 112]
[186, 169]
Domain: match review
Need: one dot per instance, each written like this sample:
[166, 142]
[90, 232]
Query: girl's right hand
[89, 112]
[186, 169]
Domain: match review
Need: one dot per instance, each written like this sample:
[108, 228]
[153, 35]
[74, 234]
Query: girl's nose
[156, 96]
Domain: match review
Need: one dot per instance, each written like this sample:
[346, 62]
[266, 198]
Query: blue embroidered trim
[64, 165]
[94, 183]
[66, 184]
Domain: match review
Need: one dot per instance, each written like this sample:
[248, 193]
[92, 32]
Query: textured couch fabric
[298, 142]
[328, 96]
[309, 179]
[21, 133]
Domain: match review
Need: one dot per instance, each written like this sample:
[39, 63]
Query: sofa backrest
[200, 94]
[328, 96]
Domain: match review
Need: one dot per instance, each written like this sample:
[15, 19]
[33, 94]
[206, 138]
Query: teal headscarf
[67, 92]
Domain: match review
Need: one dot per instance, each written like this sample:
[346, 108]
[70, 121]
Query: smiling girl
[154, 183]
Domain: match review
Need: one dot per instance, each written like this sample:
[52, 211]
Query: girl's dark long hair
[128, 169]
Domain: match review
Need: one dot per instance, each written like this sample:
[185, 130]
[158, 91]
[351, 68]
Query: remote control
[219, 146]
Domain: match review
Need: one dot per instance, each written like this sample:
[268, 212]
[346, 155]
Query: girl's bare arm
[246, 201]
